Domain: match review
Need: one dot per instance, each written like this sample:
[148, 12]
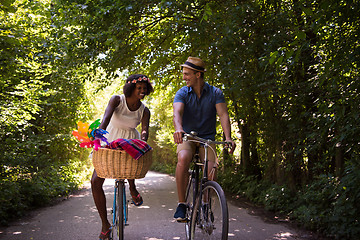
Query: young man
[195, 108]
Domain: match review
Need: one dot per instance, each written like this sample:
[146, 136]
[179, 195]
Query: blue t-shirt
[200, 114]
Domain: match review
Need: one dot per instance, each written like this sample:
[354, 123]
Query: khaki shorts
[191, 146]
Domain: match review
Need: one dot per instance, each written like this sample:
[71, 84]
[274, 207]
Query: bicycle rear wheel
[118, 211]
[210, 219]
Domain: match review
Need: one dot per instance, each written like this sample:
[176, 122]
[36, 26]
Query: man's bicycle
[207, 211]
[119, 210]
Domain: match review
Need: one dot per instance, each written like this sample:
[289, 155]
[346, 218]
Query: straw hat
[194, 63]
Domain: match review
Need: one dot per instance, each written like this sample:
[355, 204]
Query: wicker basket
[118, 164]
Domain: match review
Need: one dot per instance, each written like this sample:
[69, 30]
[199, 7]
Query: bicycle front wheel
[210, 219]
[119, 223]
[191, 191]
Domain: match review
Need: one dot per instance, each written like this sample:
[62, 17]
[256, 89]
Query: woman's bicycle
[207, 212]
[119, 165]
[119, 210]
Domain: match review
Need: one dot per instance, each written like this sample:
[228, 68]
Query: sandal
[137, 201]
[105, 236]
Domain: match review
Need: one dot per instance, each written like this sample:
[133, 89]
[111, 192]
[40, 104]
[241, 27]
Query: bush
[332, 205]
[328, 205]
[31, 190]
[12, 202]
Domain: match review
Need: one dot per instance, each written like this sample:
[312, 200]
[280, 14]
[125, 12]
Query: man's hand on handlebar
[232, 144]
[178, 137]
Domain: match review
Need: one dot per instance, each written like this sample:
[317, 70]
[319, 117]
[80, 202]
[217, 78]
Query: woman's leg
[100, 200]
[137, 199]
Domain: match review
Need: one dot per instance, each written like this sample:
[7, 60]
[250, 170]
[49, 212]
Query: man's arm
[178, 111]
[222, 111]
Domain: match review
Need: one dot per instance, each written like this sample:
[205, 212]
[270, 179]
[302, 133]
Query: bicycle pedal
[183, 220]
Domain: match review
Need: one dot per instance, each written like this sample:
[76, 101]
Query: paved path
[77, 218]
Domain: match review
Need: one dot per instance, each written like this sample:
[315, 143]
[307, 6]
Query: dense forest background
[289, 70]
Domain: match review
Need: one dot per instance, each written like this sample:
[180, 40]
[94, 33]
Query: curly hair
[131, 81]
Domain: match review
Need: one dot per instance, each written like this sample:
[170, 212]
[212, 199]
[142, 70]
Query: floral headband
[140, 79]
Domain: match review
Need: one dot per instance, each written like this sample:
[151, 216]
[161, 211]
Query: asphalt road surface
[77, 218]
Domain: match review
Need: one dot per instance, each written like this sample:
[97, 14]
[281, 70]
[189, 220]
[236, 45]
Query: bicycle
[207, 212]
[119, 165]
[119, 210]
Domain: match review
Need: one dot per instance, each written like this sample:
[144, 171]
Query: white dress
[123, 122]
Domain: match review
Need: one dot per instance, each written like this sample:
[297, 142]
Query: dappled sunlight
[81, 195]
[154, 219]
[283, 236]
[142, 206]
[231, 234]
[155, 238]
[93, 209]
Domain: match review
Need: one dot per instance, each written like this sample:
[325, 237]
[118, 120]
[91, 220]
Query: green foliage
[289, 71]
[287, 68]
[23, 192]
[164, 154]
[12, 204]
[42, 96]
[329, 204]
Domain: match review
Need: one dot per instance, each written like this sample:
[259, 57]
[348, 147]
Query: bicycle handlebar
[192, 135]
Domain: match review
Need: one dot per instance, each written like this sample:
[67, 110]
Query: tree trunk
[245, 148]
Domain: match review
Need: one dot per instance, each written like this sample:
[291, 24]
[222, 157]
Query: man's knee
[184, 158]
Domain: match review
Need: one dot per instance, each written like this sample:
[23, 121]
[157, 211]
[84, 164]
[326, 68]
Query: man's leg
[212, 159]
[212, 171]
[182, 173]
[182, 178]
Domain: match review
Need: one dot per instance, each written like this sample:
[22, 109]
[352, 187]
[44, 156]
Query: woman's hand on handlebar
[178, 136]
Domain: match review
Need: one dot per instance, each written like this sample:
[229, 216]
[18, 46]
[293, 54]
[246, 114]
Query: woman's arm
[145, 124]
[113, 103]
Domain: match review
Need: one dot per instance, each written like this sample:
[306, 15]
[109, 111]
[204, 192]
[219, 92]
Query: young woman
[122, 115]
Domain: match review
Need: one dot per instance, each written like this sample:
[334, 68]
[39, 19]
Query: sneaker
[180, 212]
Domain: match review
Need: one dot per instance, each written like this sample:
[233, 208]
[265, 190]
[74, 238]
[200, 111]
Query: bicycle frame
[206, 144]
[198, 188]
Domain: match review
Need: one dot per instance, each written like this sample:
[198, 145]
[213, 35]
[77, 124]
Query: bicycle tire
[210, 218]
[119, 224]
[191, 191]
